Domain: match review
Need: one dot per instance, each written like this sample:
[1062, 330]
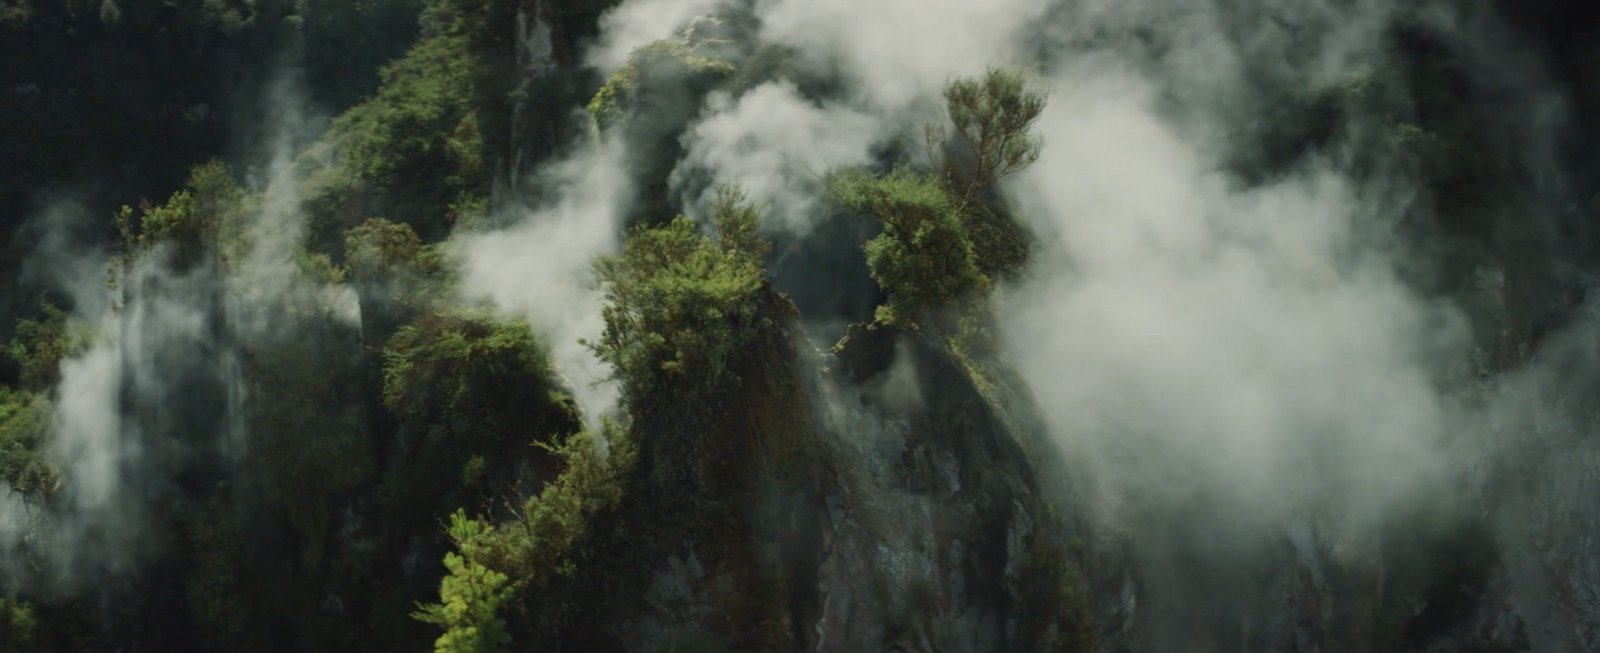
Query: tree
[495, 561]
[469, 597]
[203, 223]
[679, 60]
[680, 305]
[992, 116]
[39, 345]
[943, 239]
[477, 376]
[923, 257]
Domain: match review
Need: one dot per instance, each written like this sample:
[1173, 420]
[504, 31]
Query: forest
[649, 326]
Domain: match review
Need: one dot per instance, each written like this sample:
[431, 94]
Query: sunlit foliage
[681, 306]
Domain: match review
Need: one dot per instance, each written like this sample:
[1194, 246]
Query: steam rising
[1250, 351]
[640, 22]
[539, 269]
[774, 144]
[1199, 338]
[161, 367]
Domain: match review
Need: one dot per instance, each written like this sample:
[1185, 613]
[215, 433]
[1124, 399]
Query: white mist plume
[899, 52]
[277, 228]
[1196, 337]
[117, 410]
[775, 144]
[641, 22]
[540, 268]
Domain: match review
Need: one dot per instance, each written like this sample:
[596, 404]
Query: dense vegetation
[335, 448]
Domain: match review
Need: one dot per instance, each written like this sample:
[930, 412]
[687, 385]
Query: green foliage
[671, 56]
[470, 372]
[204, 221]
[681, 307]
[736, 221]
[25, 422]
[413, 151]
[993, 116]
[923, 257]
[469, 597]
[380, 252]
[943, 240]
[538, 540]
[496, 560]
[39, 346]
[17, 625]
[420, 114]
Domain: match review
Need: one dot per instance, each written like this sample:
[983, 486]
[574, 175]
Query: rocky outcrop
[942, 539]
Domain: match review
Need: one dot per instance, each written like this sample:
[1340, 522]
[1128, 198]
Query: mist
[1247, 358]
[539, 269]
[158, 387]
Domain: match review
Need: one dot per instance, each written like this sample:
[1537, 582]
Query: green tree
[469, 597]
[204, 222]
[39, 345]
[413, 152]
[923, 257]
[25, 423]
[946, 237]
[993, 116]
[681, 306]
[477, 376]
[496, 560]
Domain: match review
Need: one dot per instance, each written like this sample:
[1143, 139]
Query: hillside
[798, 325]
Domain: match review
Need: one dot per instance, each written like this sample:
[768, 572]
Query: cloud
[539, 269]
[160, 380]
[899, 52]
[640, 22]
[1189, 334]
[776, 144]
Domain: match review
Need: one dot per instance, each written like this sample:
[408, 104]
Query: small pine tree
[469, 598]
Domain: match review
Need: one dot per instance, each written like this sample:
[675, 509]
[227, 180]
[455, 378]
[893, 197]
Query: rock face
[891, 496]
[936, 511]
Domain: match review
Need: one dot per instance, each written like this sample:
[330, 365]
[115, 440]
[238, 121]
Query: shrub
[203, 222]
[682, 306]
[497, 560]
[946, 237]
[477, 375]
